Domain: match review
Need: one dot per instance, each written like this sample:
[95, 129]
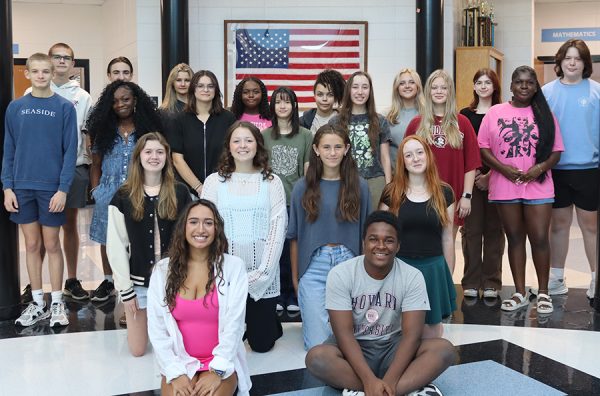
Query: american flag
[293, 56]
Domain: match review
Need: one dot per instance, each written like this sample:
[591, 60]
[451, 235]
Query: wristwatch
[220, 373]
[467, 195]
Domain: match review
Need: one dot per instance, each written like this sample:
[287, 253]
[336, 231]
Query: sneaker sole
[45, 315]
[101, 299]
[57, 323]
[74, 297]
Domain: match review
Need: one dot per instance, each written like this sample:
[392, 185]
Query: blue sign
[15, 49]
[560, 35]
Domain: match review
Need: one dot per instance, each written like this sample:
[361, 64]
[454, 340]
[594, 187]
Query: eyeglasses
[66, 58]
[205, 87]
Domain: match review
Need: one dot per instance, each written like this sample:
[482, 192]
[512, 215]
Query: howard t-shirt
[376, 305]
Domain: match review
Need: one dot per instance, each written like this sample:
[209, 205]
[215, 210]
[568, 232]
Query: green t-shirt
[287, 156]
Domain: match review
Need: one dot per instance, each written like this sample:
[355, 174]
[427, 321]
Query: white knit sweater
[255, 215]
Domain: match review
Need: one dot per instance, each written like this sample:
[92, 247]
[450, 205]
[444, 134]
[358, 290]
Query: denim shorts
[523, 201]
[141, 293]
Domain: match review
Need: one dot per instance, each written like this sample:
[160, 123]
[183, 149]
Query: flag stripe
[338, 32]
[295, 77]
[295, 88]
[324, 66]
[324, 54]
[333, 43]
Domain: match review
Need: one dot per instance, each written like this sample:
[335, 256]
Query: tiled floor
[560, 350]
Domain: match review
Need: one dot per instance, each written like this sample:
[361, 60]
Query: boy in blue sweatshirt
[40, 150]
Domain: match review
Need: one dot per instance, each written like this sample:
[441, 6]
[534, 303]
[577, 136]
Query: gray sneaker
[32, 314]
[59, 315]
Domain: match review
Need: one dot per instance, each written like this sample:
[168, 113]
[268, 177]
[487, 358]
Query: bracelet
[197, 186]
[540, 168]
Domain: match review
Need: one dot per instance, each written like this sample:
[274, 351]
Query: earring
[317, 154]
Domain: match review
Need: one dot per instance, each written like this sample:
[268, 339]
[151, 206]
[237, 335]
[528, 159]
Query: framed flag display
[292, 53]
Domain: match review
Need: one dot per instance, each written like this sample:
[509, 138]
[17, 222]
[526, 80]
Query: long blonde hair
[397, 100]
[134, 185]
[170, 99]
[450, 119]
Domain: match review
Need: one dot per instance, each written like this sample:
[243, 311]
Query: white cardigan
[230, 354]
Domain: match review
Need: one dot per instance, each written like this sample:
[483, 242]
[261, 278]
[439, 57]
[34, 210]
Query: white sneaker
[293, 308]
[59, 316]
[32, 314]
[350, 392]
[471, 293]
[556, 287]
[279, 307]
[591, 290]
[427, 390]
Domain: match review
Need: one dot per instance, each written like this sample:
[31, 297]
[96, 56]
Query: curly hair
[334, 81]
[179, 254]
[542, 116]
[261, 160]
[285, 94]
[237, 105]
[349, 193]
[103, 123]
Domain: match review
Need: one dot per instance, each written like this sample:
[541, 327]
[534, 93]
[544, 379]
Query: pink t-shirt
[257, 120]
[511, 134]
[199, 326]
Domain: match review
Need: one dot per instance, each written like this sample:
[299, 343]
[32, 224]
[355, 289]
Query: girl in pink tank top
[198, 296]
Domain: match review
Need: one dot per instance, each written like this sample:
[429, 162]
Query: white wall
[514, 37]
[119, 35]
[148, 47]
[564, 15]
[391, 31]
[37, 27]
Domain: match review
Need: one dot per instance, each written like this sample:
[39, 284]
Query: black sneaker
[26, 297]
[104, 291]
[74, 290]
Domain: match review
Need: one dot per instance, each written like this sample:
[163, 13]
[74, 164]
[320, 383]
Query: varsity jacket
[130, 243]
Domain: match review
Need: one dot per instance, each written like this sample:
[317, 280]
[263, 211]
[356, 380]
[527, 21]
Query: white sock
[57, 296]
[557, 273]
[593, 275]
[108, 278]
[38, 297]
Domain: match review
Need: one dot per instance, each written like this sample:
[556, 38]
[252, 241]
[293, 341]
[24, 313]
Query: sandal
[512, 305]
[544, 304]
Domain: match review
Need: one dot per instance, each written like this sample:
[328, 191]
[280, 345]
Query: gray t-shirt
[319, 121]
[367, 160]
[397, 131]
[327, 228]
[376, 305]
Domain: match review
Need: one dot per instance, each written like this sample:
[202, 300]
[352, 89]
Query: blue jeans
[311, 293]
